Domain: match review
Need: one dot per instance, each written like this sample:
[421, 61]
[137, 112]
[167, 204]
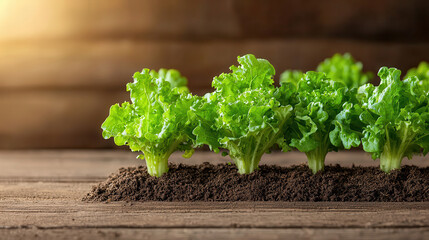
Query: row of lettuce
[246, 115]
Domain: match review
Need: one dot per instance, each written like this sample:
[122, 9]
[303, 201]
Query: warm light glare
[27, 19]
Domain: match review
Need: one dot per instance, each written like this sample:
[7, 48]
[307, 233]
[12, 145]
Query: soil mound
[207, 182]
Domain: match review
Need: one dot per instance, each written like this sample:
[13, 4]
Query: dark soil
[209, 182]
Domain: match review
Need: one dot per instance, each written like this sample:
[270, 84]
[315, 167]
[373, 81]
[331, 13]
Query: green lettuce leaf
[422, 73]
[291, 76]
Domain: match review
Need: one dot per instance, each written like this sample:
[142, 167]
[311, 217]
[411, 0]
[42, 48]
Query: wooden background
[63, 63]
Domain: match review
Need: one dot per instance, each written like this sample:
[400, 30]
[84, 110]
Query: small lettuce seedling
[156, 121]
[242, 115]
[320, 114]
[396, 118]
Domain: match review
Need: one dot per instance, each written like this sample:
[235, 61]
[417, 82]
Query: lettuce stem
[394, 150]
[247, 153]
[156, 165]
[390, 160]
[392, 154]
[316, 158]
[247, 165]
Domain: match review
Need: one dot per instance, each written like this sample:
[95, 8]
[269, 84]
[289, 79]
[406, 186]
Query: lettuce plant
[340, 68]
[422, 73]
[242, 115]
[396, 118]
[155, 122]
[291, 76]
[343, 68]
[321, 117]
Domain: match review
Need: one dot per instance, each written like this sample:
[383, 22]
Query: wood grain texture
[43, 119]
[209, 233]
[53, 189]
[40, 194]
[107, 65]
[59, 213]
[118, 19]
[195, 19]
[370, 20]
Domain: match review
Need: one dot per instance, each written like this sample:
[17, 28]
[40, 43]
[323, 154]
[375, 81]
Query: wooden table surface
[41, 192]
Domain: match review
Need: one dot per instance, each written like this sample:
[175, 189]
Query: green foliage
[156, 121]
[422, 73]
[396, 118]
[343, 68]
[242, 115]
[291, 76]
[173, 77]
[246, 115]
[340, 68]
[204, 113]
[322, 118]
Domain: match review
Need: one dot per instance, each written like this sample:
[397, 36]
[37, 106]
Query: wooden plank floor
[41, 191]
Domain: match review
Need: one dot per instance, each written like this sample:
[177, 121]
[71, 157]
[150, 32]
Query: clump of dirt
[207, 182]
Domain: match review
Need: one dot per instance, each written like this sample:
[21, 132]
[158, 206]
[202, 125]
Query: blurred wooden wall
[63, 63]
